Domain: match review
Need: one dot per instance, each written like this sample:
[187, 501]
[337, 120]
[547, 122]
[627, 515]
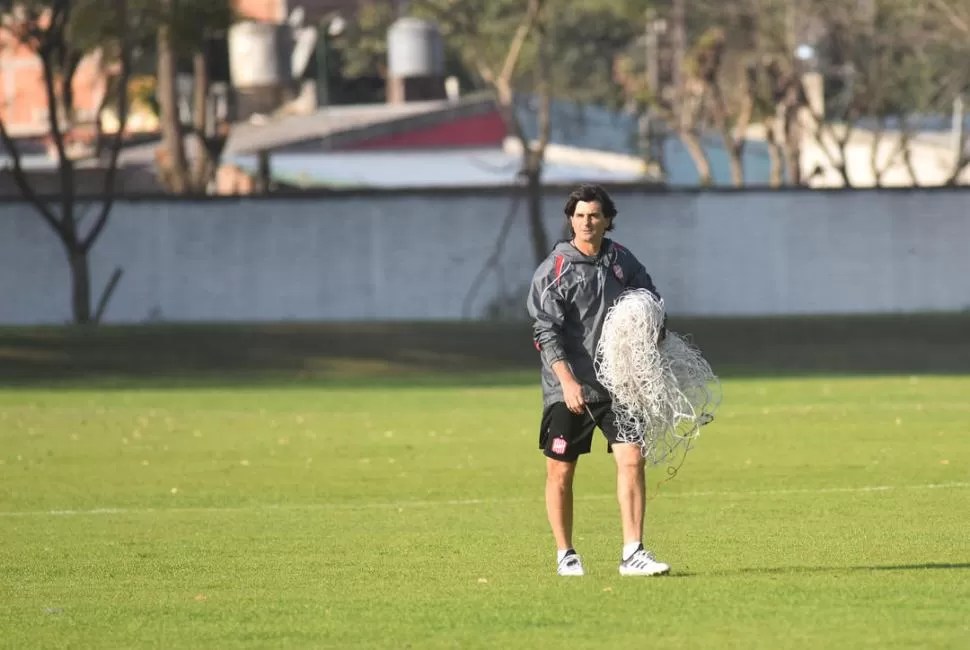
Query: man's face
[588, 222]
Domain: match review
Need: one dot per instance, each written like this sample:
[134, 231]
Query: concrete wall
[416, 256]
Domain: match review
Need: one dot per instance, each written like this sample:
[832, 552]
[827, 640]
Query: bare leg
[630, 490]
[559, 501]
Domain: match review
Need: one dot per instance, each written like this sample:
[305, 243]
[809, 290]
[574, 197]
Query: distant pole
[650, 51]
[791, 26]
[264, 172]
[679, 45]
[323, 64]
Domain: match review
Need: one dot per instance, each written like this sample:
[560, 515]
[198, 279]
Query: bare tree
[732, 125]
[745, 71]
[679, 108]
[886, 69]
[954, 17]
[45, 29]
[731, 66]
[682, 103]
[775, 89]
[692, 97]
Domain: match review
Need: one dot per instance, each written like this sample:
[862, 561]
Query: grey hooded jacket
[568, 301]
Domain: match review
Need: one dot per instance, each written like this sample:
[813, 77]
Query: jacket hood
[572, 254]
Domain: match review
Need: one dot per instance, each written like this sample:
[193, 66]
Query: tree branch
[951, 16]
[64, 164]
[746, 111]
[961, 158]
[502, 82]
[775, 174]
[699, 156]
[877, 135]
[818, 134]
[901, 147]
[115, 150]
[820, 129]
[24, 183]
[545, 95]
[521, 35]
[733, 143]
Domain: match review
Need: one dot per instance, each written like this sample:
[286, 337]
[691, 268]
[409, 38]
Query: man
[571, 293]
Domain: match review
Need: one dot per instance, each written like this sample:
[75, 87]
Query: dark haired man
[572, 291]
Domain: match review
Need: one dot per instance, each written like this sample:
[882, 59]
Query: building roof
[333, 127]
[436, 168]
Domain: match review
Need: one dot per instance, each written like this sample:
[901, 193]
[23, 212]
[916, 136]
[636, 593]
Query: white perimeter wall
[416, 256]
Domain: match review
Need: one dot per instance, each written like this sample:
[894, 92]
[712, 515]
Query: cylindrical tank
[256, 55]
[414, 49]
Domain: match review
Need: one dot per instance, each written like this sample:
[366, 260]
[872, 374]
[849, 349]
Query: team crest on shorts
[618, 272]
[559, 446]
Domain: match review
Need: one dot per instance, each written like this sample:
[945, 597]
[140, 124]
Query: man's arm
[548, 311]
[545, 305]
[641, 279]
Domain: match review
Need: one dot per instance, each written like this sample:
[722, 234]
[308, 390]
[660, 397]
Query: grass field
[325, 487]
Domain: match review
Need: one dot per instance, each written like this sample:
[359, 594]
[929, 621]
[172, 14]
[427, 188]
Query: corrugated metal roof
[277, 132]
[445, 168]
[247, 137]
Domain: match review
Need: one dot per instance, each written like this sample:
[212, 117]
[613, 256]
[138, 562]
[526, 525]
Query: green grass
[259, 504]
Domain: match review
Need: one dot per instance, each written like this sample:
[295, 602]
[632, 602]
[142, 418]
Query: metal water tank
[414, 49]
[257, 58]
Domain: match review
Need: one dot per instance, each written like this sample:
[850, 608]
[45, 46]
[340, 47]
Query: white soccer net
[662, 395]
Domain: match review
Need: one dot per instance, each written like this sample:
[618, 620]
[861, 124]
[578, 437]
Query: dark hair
[589, 193]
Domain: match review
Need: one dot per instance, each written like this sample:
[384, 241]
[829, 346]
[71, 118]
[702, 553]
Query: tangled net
[662, 394]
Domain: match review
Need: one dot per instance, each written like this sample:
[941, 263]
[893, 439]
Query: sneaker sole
[631, 574]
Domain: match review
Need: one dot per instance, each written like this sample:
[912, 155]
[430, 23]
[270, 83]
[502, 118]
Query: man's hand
[572, 390]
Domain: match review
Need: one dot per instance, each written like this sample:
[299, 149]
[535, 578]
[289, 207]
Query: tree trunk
[80, 284]
[776, 176]
[907, 155]
[537, 230]
[696, 151]
[793, 145]
[793, 159]
[203, 167]
[174, 166]
[776, 172]
[737, 166]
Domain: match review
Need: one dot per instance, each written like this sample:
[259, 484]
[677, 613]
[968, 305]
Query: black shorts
[564, 435]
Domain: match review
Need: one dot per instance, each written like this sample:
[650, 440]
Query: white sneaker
[643, 563]
[571, 565]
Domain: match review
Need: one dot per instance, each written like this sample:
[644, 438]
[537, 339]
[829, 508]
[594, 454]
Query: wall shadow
[473, 353]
